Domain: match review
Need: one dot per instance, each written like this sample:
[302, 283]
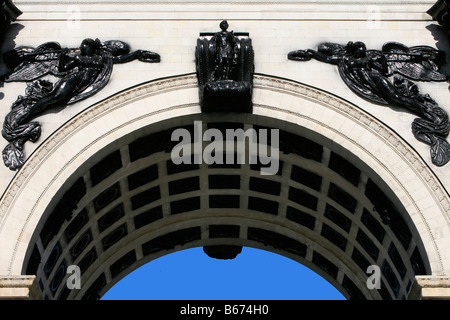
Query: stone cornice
[206, 10]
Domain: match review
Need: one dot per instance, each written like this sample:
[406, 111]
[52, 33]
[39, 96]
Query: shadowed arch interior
[130, 204]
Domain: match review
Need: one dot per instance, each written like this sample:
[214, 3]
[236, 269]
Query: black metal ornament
[83, 72]
[225, 67]
[367, 72]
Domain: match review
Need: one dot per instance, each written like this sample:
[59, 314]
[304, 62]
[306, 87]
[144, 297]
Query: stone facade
[362, 146]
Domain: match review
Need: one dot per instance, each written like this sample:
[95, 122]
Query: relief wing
[41, 61]
[420, 63]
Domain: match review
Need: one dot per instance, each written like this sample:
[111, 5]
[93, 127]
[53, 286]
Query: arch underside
[127, 204]
[318, 210]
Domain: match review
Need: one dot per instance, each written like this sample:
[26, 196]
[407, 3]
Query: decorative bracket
[225, 68]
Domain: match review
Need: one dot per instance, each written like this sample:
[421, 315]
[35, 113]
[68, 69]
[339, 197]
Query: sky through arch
[253, 275]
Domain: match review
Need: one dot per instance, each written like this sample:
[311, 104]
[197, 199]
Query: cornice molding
[347, 10]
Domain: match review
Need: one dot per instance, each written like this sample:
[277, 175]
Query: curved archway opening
[254, 274]
[129, 204]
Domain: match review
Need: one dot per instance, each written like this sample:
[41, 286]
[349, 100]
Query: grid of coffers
[315, 189]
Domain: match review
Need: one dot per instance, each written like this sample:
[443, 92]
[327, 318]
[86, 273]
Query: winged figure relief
[82, 72]
[387, 77]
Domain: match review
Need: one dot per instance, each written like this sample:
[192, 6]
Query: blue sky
[253, 275]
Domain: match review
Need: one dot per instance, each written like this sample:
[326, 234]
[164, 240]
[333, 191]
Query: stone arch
[351, 160]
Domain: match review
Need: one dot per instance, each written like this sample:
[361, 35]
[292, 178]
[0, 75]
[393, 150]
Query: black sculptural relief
[225, 70]
[83, 71]
[367, 72]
